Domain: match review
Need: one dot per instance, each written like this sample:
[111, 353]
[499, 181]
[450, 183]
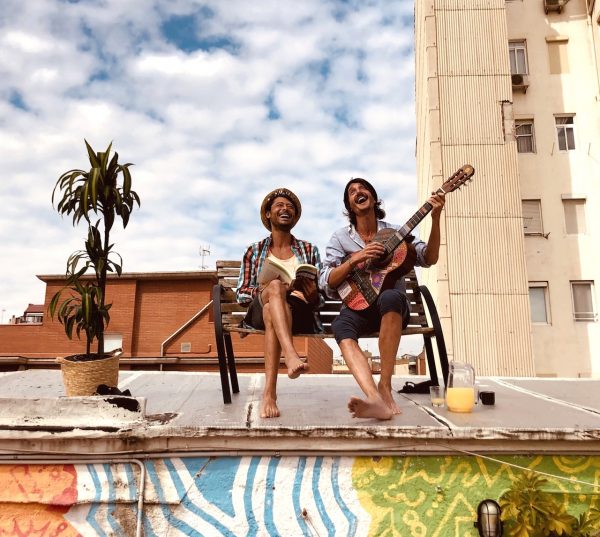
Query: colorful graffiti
[272, 496]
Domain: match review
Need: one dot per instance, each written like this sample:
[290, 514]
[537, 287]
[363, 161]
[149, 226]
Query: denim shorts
[350, 324]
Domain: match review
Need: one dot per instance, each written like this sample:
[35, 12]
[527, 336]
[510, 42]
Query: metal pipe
[183, 327]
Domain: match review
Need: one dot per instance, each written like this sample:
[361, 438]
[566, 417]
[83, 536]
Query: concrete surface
[185, 414]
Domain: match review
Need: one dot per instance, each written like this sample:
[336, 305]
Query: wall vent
[186, 347]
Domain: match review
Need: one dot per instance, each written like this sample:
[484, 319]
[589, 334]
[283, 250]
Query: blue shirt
[346, 241]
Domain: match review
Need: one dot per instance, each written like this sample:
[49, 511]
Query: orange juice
[460, 399]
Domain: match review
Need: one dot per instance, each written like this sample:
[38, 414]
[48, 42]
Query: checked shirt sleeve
[247, 283]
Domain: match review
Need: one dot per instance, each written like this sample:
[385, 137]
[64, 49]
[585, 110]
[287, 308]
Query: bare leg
[268, 407]
[276, 306]
[390, 332]
[374, 406]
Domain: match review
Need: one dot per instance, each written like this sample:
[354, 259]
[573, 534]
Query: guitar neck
[411, 224]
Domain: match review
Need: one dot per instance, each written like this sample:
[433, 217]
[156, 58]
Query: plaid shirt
[254, 258]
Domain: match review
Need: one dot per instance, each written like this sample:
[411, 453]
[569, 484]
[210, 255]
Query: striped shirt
[255, 256]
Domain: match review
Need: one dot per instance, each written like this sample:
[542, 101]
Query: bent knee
[275, 287]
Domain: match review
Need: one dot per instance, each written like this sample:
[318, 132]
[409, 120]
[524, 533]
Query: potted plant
[100, 196]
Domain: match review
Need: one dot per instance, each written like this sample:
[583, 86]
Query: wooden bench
[228, 315]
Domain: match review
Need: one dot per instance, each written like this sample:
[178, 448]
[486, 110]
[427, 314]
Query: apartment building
[513, 87]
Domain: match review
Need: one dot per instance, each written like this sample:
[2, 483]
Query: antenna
[204, 252]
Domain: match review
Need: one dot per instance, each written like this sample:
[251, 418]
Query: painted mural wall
[269, 496]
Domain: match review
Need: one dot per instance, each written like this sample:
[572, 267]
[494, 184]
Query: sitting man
[353, 245]
[274, 307]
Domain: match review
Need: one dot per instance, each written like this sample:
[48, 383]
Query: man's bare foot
[268, 408]
[369, 408]
[386, 394]
[296, 367]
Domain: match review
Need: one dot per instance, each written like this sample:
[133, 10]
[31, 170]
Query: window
[574, 216]
[517, 52]
[538, 300]
[524, 135]
[532, 217]
[113, 341]
[583, 300]
[557, 54]
[565, 130]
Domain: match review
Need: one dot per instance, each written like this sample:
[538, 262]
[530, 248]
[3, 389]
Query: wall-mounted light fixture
[488, 519]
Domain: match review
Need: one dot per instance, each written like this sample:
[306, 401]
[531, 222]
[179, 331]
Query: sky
[215, 103]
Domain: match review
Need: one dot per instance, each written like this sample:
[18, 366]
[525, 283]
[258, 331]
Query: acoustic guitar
[365, 281]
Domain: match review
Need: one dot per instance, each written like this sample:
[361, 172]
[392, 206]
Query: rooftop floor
[184, 412]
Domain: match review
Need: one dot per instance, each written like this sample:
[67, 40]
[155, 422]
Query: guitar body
[366, 282]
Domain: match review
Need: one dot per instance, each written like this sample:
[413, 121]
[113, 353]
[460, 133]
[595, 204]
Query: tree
[100, 196]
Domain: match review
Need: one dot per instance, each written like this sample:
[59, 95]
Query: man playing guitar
[353, 247]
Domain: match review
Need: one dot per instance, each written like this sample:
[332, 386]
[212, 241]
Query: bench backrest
[232, 312]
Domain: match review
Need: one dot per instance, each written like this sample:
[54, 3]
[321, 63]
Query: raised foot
[268, 408]
[296, 367]
[369, 408]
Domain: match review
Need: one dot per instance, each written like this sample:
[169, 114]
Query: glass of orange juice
[436, 395]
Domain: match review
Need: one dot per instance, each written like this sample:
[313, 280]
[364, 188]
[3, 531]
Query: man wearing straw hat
[274, 307]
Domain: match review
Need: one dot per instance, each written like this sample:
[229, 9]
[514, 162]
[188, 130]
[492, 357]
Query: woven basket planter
[83, 378]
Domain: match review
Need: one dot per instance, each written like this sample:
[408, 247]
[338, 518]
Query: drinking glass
[436, 395]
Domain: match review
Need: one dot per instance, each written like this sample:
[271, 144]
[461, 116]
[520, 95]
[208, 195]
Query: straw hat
[284, 193]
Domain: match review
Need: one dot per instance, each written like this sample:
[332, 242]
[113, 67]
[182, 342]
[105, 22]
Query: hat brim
[279, 192]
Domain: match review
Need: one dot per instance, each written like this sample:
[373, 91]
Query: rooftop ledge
[184, 413]
[174, 275]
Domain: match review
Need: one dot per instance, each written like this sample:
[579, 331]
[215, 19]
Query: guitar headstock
[459, 178]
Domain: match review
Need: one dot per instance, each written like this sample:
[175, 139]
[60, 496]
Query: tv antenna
[204, 252]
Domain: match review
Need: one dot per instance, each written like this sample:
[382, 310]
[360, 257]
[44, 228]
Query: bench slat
[232, 313]
[233, 307]
[410, 331]
[228, 264]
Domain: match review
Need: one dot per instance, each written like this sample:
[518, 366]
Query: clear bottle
[460, 392]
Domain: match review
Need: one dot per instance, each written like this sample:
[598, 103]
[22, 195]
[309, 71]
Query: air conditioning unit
[554, 5]
[520, 82]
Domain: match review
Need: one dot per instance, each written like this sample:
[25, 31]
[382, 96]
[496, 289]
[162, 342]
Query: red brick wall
[162, 307]
[146, 311]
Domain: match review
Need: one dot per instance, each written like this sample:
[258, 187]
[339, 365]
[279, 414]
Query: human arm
[342, 244]
[338, 275]
[247, 287]
[432, 250]
[307, 286]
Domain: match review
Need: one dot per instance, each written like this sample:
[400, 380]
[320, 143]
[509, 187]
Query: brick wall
[149, 311]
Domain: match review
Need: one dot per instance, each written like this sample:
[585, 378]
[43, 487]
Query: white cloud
[302, 94]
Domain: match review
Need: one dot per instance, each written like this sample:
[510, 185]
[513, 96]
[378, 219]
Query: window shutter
[532, 217]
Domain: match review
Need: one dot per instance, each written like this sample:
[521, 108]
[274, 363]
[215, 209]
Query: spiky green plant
[103, 194]
[530, 511]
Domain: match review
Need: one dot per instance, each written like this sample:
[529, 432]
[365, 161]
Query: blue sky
[216, 103]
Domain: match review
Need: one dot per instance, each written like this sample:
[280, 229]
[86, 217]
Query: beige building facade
[513, 89]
